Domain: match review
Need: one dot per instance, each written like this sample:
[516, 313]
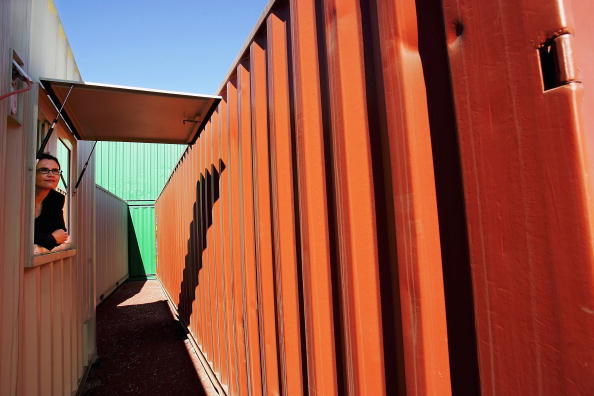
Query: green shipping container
[136, 173]
[141, 242]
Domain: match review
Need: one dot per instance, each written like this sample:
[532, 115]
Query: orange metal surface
[287, 297]
[262, 220]
[418, 251]
[236, 236]
[317, 277]
[283, 206]
[526, 167]
[303, 227]
[352, 174]
[250, 289]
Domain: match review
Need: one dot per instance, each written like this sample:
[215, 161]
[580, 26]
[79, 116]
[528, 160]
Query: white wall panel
[112, 242]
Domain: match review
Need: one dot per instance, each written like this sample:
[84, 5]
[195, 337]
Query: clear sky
[178, 45]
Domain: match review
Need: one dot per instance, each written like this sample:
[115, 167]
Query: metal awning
[109, 112]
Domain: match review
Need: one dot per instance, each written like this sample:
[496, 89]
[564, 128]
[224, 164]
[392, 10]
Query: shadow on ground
[141, 347]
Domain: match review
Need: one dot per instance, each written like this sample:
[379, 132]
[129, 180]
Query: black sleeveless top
[50, 219]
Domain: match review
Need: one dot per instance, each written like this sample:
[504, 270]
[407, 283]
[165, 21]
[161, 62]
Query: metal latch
[557, 61]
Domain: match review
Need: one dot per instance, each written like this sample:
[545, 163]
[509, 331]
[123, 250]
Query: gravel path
[142, 349]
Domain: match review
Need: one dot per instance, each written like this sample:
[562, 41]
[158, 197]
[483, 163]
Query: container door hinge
[557, 61]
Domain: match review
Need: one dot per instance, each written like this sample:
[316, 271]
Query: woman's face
[49, 180]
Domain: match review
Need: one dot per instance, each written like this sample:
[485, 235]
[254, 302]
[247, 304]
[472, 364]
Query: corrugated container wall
[524, 123]
[299, 236]
[47, 316]
[136, 173]
[392, 198]
[112, 242]
[141, 241]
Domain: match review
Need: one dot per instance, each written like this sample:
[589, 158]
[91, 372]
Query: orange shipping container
[387, 204]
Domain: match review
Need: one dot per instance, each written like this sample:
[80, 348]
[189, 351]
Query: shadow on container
[136, 266]
[207, 193]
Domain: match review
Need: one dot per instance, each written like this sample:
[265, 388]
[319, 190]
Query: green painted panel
[142, 255]
[63, 155]
[135, 171]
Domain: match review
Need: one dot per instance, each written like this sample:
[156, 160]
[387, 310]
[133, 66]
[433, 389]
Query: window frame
[61, 133]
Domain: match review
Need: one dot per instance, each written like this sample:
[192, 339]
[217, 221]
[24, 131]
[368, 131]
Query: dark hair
[48, 156]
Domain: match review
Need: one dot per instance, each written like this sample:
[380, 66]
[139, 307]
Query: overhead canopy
[126, 114]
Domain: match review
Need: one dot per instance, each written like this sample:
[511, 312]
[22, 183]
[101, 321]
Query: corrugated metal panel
[85, 239]
[10, 274]
[135, 171]
[58, 307]
[526, 158]
[112, 242]
[46, 303]
[141, 241]
[53, 327]
[300, 236]
[276, 232]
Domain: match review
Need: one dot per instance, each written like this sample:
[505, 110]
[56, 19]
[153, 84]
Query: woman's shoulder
[54, 197]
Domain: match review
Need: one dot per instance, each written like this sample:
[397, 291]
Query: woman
[50, 230]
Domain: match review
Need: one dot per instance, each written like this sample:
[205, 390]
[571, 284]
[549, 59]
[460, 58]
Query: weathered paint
[112, 242]
[526, 156]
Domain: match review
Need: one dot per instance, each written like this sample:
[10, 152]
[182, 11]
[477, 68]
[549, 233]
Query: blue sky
[178, 45]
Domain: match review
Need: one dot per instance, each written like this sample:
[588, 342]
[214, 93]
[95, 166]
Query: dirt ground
[142, 349]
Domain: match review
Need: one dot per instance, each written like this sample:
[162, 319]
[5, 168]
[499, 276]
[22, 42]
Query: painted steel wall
[57, 341]
[389, 201]
[112, 242]
[141, 239]
[136, 173]
[47, 334]
[299, 237]
[526, 155]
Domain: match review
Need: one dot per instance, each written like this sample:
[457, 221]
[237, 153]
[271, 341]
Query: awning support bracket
[51, 128]
[82, 173]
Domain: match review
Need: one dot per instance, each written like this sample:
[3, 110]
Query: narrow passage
[142, 349]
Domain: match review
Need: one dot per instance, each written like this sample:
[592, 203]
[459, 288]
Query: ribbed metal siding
[526, 158]
[46, 303]
[112, 242]
[141, 240]
[286, 269]
[314, 265]
[86, 249]
[135, 171]
[58, 306]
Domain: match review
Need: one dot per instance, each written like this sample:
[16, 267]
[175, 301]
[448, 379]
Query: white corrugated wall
[112, 242]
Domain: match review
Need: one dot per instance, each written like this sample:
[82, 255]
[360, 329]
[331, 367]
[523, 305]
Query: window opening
[42, 128]
[64, 158]
[53, 217]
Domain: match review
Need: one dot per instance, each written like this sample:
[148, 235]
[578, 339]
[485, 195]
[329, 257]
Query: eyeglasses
[45, 171]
